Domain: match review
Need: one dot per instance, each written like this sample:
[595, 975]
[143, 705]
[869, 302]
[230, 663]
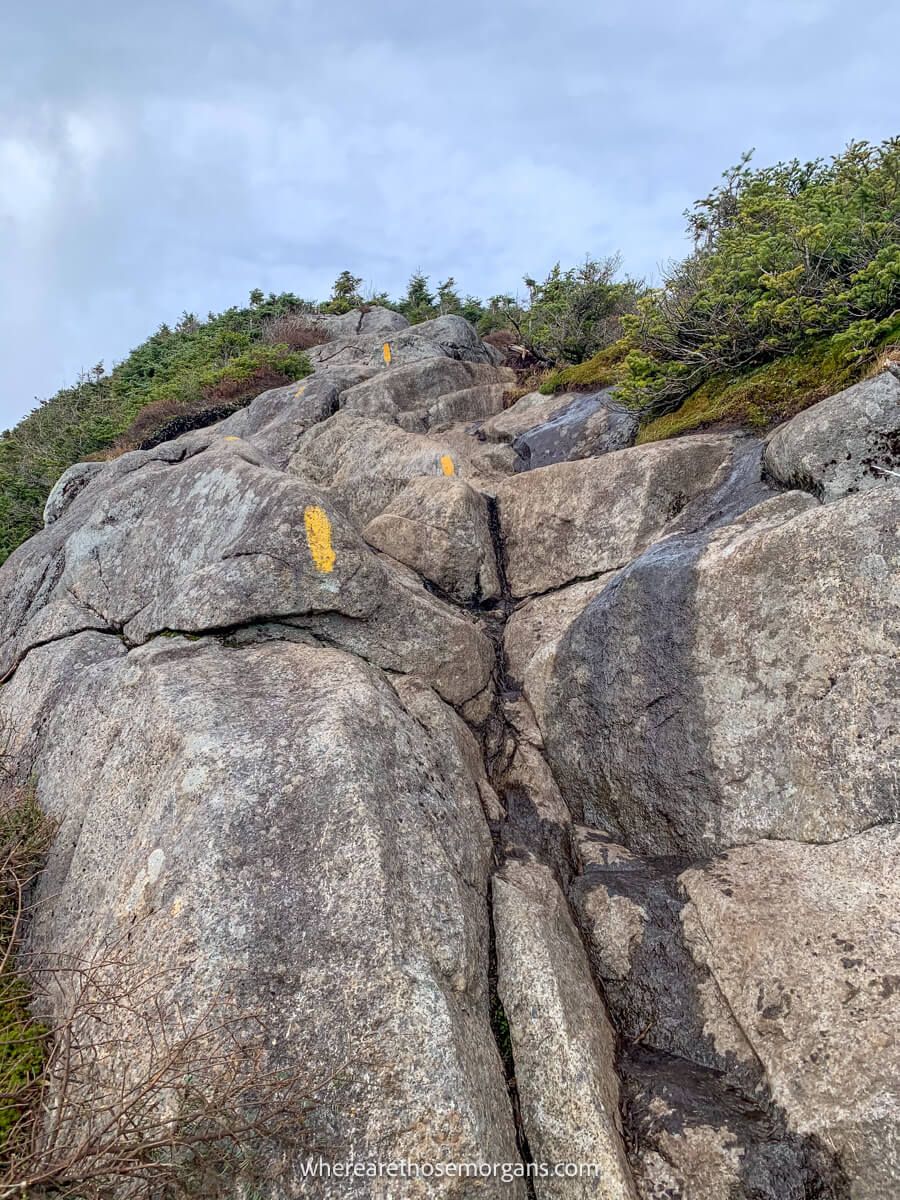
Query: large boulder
[273, 833]
[844, 444]
[440, 527]
[434, 391]
[364, 463]
[562, 1043]
[739, 684]
[741, 1028]
[69, 485]
[444, 337]
[584, 427]
[274, 422]
[217, 538]
[359, 322]
[803, 946]
[577, 519]
[529, 410]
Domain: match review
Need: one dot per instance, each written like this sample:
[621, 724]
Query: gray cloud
[156, 157]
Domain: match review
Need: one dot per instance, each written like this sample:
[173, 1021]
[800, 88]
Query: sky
[160, 156]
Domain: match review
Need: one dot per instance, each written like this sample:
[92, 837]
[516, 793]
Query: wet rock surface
[537, 790]
[842, 445]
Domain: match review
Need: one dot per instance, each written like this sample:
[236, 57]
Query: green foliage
[764, 396]
[345, 294]
[571, 314]
[220, 360]
[419, 304]
[784, 256]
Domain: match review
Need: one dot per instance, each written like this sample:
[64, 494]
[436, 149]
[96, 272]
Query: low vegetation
[213, 366]
[123, 1092]
[799, 261]
[791, 291]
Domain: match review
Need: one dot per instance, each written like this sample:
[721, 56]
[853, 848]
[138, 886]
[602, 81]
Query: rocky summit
[536, 791]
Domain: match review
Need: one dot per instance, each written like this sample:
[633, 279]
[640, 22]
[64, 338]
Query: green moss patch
[601, 371]
[763, 398]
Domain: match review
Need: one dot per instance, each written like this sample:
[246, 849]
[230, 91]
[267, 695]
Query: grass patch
[762, 398]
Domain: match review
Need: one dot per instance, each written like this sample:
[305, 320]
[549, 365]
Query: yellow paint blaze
[386, 351]
[447, 465]
[232, 438]
[318, 538]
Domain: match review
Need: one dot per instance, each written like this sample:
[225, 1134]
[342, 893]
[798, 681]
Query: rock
[562, 1042]
[703, 1121]
[490, 461]
[439, 527]
[454, 336]
[842, 445]
[585, 426]
[69, 485]
[445, 337]
[537, 626]
[220, 539]
[468, 404]
[527, 412]
[630, 909]
[270, 818]
[422, 389]
[816, 994]
[41, 682]
[414, 633]
[451, 737]
[538, 823]
[739, 684]
[275, 420]
[698, 1139]
[364, 463]
[573, 520]
[361, 322]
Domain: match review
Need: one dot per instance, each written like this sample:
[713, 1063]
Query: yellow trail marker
[299, 390]
[318, 538]
[447, 465]
[232, 438]
[386, 351]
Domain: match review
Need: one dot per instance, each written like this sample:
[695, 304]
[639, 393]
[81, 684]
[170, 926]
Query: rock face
[738, 685]
[561, 1038]
[843, 445]
[584, 427]
[535, 792]
[69, 485]
[271, 814]
[440, 527]
[817, 996]
[572, 520]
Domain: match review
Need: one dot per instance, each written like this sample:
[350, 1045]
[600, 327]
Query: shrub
[25, 836]
[196, 364]
[345, 294]
[765, 396]
[784, 256]
[571, 314]
[294, 330]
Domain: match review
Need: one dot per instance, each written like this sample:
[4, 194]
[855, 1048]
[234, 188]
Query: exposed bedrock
[536, 791]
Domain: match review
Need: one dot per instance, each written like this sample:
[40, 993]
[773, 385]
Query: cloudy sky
[162, 155]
